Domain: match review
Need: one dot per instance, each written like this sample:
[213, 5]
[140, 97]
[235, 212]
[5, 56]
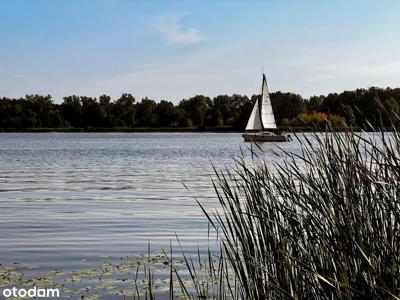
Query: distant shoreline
[122, 129]
[223, 129]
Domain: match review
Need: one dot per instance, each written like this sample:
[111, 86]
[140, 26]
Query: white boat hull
[266, 137]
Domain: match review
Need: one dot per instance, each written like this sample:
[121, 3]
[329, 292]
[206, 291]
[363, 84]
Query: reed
[322, 224]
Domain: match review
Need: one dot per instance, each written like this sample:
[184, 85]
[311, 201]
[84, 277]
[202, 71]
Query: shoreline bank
[224, 129]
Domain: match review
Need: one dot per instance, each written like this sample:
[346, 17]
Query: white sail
[267, 114]
[254, 122]
[264, 119]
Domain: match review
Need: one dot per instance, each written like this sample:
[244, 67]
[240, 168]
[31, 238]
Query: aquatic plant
[322, 224]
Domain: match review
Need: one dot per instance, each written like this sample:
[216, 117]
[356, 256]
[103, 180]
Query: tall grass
[322, 224]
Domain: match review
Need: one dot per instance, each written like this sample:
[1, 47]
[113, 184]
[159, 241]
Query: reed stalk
[320, 224]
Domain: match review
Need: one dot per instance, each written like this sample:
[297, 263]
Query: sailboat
[261, 126]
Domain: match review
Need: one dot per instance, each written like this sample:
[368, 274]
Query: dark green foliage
[42, 107]
[168, 114]
[89, 112]
[242, 107]
[71, 109]
[313, 105]
[125, 110]
[287, 105]
[196, 109]
[104, 111]
[357, 108]
[146, 113]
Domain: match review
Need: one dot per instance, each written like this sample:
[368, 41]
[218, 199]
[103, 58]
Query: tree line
[352, 108]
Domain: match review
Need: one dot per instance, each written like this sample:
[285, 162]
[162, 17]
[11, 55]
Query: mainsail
[262, 116]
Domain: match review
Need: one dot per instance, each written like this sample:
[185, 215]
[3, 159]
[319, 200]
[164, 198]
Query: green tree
[125, 110]
[104, 111]
[71, 109]
[44, 109]
[313, 105]
[196, 109]
[146, 113]
[89, 111]
[168, 114]
[287, 105]
[242, 110]
[222, 108]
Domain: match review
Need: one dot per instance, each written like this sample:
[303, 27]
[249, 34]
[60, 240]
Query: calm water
[67, 199]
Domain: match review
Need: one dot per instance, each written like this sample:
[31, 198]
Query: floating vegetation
[9, 276]
[124, 277]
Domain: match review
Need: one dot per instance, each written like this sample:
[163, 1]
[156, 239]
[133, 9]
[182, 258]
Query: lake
[67, 199]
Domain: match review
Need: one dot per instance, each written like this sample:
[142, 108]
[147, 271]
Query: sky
[176, 49]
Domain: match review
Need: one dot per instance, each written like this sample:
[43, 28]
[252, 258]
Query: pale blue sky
[176, 49]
